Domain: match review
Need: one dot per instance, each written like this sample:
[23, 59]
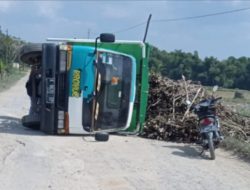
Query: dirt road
[32, 160]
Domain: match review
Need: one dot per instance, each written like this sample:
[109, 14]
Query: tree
[230, 73]
[9, 50]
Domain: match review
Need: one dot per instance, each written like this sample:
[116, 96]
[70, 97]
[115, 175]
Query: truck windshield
[113, 90]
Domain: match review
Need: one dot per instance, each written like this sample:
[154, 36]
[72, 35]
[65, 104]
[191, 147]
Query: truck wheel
[101, 136]
[31, 54]
[31, 121]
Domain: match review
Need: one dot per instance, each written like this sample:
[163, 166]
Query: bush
[239, 147]
[11, 79]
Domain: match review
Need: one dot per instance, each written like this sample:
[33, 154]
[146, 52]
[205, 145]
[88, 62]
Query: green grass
[9, 81]
[241, 148]
[240, 105]
[228, 94]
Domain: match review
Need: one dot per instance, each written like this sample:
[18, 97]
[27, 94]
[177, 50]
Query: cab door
[81, 86]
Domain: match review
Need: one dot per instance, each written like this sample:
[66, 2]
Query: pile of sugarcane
[169, 117]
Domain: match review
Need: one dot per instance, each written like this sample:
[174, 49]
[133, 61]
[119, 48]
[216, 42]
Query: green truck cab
[88, 86]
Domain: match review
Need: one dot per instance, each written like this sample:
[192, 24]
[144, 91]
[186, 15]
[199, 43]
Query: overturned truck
[87, 86]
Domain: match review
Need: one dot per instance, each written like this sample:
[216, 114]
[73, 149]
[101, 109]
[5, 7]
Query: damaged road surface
[32, 160]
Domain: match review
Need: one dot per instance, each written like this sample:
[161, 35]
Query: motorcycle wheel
[211, 145]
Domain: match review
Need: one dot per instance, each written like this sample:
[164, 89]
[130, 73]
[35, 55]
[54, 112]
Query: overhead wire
[131, 27]
[201, 16]
[182, 18]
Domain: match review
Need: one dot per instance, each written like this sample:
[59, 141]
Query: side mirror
[215, 88]
[104, 37]
[107, 37]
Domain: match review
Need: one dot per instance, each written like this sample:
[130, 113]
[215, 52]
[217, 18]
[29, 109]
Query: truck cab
[86, 86]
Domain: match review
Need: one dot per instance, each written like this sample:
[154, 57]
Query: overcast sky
[220, 36]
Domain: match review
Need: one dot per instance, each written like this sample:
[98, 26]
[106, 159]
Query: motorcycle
[208, 122]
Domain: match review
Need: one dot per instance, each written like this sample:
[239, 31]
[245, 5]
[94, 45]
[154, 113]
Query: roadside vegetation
[12, 78]
[241, 104]
[239, 147]
[229, 73]
[10, 68]
[236, 99]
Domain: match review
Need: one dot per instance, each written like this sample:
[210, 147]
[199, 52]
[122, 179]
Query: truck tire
[31, 121]
[101, 136]
[31, 54]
